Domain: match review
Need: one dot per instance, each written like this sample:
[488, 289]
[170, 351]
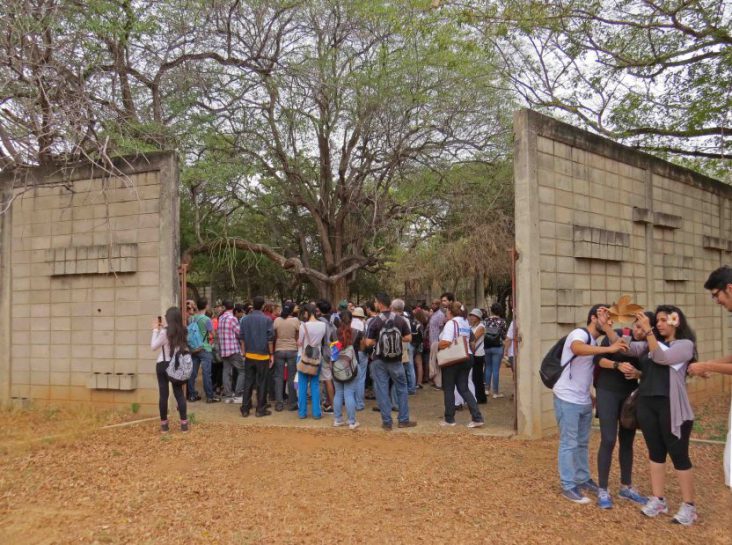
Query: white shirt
[463, 327]
[358, 325]
[509, 336]
[315, 333]
[479, 340]
[575, 382]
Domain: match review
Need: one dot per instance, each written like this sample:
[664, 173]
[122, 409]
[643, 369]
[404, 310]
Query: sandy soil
[227, 483]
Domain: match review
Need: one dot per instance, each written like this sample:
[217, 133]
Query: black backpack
[389, 343]
[492, 337]
[551, 366]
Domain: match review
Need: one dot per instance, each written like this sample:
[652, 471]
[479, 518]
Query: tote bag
[456, 353]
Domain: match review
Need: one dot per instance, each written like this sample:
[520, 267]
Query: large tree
[361, 96]
[652, 73]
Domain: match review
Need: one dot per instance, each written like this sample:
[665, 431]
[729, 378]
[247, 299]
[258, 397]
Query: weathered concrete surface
[595, 220]
[87, 261]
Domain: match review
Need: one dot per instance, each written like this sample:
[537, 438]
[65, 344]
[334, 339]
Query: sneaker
[604, 500]
[574, 495]
[244, 412]
[212, 400]
[445, 423]
[279, 406]
[686, 515]
[654, 507]
[474, 424]
[293, 408]
[338, 423]
[386, 427]
[164, 426]
[265, 412]
[407, 424]
[589, 487]
[436, 388]
[630, 493]
[376, 409]
[328, 409]
[353, 426]
[184, 425]
[497, 396]
[238, 399]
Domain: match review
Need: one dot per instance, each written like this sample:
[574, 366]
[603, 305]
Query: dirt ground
[229, 483]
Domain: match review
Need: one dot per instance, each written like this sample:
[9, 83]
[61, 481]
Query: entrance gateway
[87, 259]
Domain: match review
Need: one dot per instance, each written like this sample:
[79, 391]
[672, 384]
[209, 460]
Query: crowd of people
[313, 359]
[264, 356]
[639, 372]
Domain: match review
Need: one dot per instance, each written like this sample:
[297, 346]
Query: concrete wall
[86, 262]
[595, 220]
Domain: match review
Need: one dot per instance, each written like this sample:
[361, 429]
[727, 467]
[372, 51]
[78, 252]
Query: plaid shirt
[228, 334]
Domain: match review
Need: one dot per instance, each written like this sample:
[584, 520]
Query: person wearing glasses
[719, 285]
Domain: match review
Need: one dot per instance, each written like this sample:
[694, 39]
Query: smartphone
[627, 337]
[160, 320]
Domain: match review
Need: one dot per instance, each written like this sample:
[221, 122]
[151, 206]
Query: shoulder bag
[456, 353]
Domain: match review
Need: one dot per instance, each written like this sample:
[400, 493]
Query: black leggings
[479, 378]
[654, 418]
[456, 376]
[164, 392]
[608, 411]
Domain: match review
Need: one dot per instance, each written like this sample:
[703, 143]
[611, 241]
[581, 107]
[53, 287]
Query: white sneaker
[474, 424]
[443, 423]
[338, 423]
[497, 396]
[353, 426]
[654, 507]
[237, 399]
[686, 515]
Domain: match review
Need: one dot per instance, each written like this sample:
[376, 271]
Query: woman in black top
[663, 410]
[617, 376]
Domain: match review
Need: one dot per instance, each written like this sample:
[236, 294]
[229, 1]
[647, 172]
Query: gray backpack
[389, 343]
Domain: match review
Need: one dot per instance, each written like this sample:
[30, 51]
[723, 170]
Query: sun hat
[358, 313]
[477, 313]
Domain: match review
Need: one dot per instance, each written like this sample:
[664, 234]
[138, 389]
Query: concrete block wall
[595, 220]
[88, 261]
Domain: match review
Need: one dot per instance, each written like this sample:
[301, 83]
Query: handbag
[309, 363]
[628, 417]
[456, 353]
[179, 368]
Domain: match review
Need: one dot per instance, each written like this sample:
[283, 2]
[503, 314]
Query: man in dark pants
[257, 345]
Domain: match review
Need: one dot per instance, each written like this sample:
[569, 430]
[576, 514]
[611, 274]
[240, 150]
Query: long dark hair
[683, 330]
[307, 311]
[176, 331]
[345, 335]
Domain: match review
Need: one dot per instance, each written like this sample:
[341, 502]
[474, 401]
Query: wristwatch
[616, 364]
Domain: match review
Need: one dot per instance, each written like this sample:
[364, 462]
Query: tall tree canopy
[653, 73]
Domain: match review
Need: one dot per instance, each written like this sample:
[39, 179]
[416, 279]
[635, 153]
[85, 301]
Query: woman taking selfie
[663, 410]
[169, 336]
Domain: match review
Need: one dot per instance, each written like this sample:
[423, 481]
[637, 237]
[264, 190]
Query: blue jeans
[345, 391]
[363, 365]
[285, 359]
[411, 375]
[380, 373]
[204, 361]
[492, 367]
[574, 423]
[303, 381]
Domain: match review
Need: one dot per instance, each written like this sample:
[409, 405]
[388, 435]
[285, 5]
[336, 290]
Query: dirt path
[226, 483]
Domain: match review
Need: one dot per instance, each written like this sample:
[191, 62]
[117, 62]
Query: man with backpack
[572, 399]
[199, 343]
[386, 333]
